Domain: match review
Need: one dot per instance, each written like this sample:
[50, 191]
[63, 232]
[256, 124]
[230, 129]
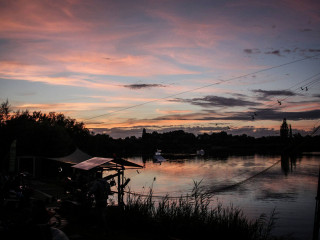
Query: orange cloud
[172, 111]
[302, 106]
[61, 107]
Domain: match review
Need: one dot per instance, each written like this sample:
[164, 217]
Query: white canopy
[92, 163]
[87, 162]
[76, 157]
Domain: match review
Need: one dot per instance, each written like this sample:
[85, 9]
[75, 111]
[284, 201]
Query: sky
[202, 66]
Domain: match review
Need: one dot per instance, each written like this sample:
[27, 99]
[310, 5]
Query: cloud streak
[264, 114]
[216, 101]
[266, 94]
[142, 86]
[282, 52]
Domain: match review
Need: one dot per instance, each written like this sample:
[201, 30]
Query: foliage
[4, 112]
[190, 217]
[39, 134]
[284, 129]
[55, 135]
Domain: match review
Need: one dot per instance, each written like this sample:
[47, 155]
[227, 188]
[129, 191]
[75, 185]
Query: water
[289, 186]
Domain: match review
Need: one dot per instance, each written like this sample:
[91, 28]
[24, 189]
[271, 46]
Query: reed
[190, 217]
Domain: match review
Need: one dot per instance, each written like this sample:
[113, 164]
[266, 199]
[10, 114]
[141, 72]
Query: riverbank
[142, 218]
[137, 222]
[184, 218]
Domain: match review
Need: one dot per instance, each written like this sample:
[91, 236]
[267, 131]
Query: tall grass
[190, 217]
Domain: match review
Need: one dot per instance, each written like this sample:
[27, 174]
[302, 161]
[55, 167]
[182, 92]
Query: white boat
[200, 152]
[157, 157]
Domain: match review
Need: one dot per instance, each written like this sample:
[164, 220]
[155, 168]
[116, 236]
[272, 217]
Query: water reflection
[289, 186]
[270, 195]
[179, 173]
[288, 163]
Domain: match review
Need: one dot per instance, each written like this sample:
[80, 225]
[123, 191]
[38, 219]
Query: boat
[200, 152]
[158, 158]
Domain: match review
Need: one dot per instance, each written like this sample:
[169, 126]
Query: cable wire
[205, 86]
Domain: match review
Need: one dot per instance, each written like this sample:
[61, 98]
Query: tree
[290, 132]
[4, 111]
[144, 133]
[284, 129]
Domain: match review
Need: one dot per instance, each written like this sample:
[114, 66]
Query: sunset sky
[198, 66]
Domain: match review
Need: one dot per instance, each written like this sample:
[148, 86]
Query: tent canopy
[92, 163]
[76, 157]
[84, 161]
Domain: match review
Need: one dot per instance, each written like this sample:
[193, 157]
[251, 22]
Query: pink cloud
[39, 17]
[72, 31]
[302, 106]
[172, 111]
[71, 107]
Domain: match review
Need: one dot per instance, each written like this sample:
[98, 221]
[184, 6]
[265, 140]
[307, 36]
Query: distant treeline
[55, 135]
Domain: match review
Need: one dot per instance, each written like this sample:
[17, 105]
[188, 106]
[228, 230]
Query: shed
[84, 162]
[116, 164]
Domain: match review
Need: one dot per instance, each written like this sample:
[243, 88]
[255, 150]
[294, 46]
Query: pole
[122, 187]
[119, 188]
[317, 213]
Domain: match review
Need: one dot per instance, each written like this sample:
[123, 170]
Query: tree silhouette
[284, 129]
[54, 135]
[4, 111]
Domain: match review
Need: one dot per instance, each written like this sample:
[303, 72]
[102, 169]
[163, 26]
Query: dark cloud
[316, 95]
[265, 94]
[248, 130]
[123, 132]
[279, 52]
[270, 114]
[275, 52]
[275, 92]
[251, 51]
[260, 114]
[306, 50]
[240, 94]
[215, 101]
[140, 86]
[313, 50]
[119, 132]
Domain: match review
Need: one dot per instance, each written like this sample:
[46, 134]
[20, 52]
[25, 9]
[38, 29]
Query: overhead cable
[205, 86]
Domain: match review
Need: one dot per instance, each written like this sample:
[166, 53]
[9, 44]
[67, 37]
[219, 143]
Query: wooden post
[122, 189]
[119, 188]
[317, 213]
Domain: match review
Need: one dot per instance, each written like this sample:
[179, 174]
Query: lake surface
[270, 182]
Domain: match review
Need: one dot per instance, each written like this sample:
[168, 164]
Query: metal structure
[317, 213]
[111, 164]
